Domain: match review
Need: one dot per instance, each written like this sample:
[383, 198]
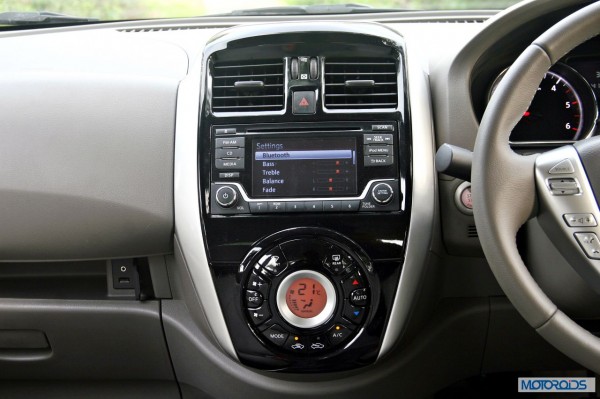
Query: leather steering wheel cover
[504, 188]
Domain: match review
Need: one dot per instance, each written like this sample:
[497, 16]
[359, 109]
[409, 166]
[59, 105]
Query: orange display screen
[306, 298]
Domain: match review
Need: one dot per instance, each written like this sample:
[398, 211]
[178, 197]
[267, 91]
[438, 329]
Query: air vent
[248, 87]
[472, 231]
[364, 84]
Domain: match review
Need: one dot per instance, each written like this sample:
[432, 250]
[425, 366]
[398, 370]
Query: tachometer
[563, 110]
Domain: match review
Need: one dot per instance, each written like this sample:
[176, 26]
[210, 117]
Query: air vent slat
[345, 84]
[247, 86]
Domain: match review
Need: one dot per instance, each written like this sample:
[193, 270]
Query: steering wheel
[557, 187]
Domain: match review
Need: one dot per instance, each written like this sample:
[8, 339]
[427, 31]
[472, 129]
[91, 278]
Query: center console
[304, 159]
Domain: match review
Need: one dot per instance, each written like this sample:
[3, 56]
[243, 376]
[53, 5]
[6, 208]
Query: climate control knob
[226, 196]
[382, 193]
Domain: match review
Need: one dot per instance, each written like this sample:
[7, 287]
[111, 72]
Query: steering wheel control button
[259, 315]
[382, 193]
[276, 335]
[253, 299]
[306, 299]
[580, 220]
[589, 243]
[226, 196]
[564, 186]
[564, 167]
[353, 313]
[338, 334]
[359, 297]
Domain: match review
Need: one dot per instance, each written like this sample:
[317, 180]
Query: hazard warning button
[303, 102]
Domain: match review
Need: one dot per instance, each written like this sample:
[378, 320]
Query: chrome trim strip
[248, 199]
[188, 227]
[424, 196]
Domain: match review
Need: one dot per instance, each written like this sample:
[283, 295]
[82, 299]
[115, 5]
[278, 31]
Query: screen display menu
[310, 167]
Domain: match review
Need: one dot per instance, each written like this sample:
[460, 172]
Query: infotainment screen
[311, 167]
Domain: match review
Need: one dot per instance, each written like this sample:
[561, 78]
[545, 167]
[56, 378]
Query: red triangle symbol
[303, 102]
[355, 282]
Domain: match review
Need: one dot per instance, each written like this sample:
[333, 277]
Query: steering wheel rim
[504, 191]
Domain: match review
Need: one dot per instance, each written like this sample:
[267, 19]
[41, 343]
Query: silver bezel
[311, 322]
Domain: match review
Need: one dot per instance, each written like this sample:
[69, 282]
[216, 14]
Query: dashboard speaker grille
[368, 83]
[248, 86]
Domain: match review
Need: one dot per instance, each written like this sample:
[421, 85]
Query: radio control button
[374, 138]
[229, 153]
[382, 193]
[350, 205]
[378, 160]
[226, 130]
[230, 142]
[332, 206]
[382, 127]
[378, 149]
[226, 196]
[313, 206]
[276, 335]
[233, 163]
[253, 299]
[295, 206]
[275, 206]
[229, 175]
[258, 207]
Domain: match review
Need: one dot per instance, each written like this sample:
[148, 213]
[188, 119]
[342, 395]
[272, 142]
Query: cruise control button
[257, 283]
[562, 168]
[259, 315]
[565, 186]
[580, 220]
[276, 335]
[253, 299]
[338, 334]
[589, 243]
[353, 313]
[359, 297]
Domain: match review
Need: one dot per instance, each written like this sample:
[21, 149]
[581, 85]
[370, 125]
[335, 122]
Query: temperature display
[306, 297]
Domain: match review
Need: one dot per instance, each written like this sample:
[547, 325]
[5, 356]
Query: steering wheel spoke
[568, 211]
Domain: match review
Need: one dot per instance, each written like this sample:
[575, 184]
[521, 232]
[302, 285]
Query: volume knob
[226, 197]
[382, 193]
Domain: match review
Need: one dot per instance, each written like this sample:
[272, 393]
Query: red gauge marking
[527, 113]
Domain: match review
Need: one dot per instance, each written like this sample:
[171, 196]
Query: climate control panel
[306, 296]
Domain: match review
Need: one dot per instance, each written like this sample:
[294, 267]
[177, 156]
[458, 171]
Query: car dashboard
[249, 206]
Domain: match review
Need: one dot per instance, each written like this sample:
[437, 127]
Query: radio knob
[382, 193]
[226, 197]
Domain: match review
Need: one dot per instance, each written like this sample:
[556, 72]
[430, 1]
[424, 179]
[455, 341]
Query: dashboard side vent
[472, 231]
[251, 86]
[369, 83]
